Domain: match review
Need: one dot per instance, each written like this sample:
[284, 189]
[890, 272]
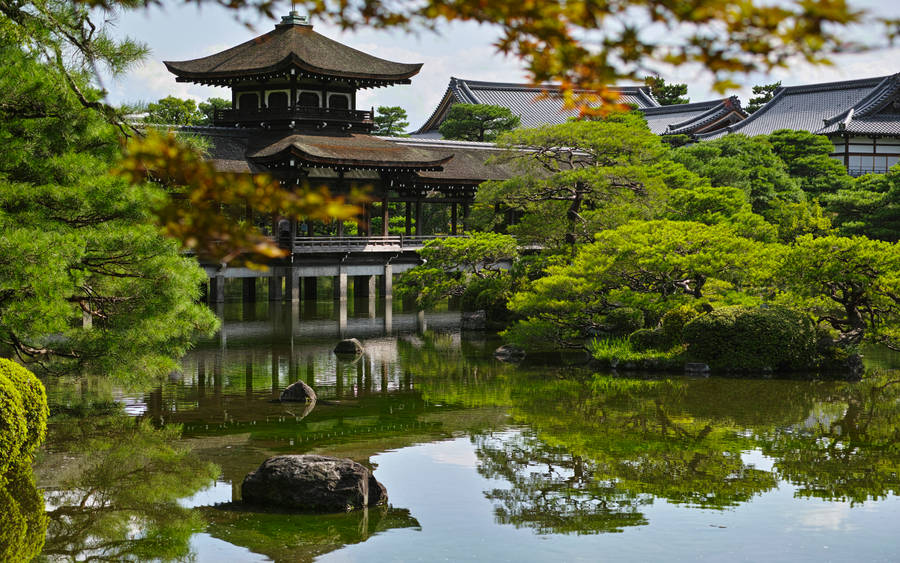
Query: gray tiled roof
[804, 107]
[523, 100]
[659, 118]
[689, 118]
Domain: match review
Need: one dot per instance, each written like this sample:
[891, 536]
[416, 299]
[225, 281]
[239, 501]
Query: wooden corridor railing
[306, 245]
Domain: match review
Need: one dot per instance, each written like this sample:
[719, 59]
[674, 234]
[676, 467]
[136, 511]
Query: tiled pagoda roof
[292, 45]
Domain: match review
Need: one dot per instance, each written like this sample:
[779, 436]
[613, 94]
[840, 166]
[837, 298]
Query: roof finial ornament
[294, 18]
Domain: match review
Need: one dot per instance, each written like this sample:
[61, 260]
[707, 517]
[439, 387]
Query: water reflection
[590, 454]
[23, 522]
[112, 484]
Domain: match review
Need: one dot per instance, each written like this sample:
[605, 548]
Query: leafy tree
[209, 107]
[174, 111]
[667, 94]
[763, 93]
[78, 242]
[808, 160]
[849, 284]
[869, 207]
[573, 179]
[742, 162]
[454, 265]
[390, 121]
[477, 122]
[647, 265]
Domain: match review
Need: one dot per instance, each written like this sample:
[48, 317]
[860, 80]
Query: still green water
[482, 460]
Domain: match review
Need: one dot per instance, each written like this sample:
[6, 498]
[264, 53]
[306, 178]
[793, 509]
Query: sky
[180, 31]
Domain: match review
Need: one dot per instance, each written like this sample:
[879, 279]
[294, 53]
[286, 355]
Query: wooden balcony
[308, 115]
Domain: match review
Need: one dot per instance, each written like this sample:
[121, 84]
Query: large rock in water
[314, 483]
[349, 347]
[299, 392]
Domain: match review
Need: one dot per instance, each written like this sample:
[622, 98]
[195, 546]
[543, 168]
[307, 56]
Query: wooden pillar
[385, 219]
[465, 221]
[293, 102]
[365, 227]
[419, 217]
[453, 218]
[408, 218]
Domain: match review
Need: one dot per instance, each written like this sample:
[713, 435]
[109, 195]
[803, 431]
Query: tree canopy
[477, 122]
[390, 121]
[667, 94]
[762, 94]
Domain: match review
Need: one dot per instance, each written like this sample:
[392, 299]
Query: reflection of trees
[847, 449]
[598, 449]
[302, 537]
[117, 499]
[552, 491]
[640, 436]
[23, 522]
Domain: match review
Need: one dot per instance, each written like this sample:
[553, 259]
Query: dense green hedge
[745, 339]
[23, 414]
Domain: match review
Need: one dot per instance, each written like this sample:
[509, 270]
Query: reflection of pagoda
[294, 115]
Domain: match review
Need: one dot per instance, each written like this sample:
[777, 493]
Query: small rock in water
[509, 353]
[298, 392]
[312, 482]
[350, 346]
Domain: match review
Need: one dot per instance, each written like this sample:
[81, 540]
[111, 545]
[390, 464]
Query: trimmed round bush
[647, 339]
[747, 338]
[624, 320]
[34, 403]
[673, 321]
[13, 429]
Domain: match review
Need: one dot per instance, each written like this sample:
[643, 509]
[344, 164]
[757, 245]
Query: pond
[482, 460]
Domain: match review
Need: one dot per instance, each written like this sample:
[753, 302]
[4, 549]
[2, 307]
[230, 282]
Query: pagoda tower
[294, 114]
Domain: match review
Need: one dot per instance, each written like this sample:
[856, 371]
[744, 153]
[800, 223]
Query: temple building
[860, 117]
[295, 116]
[541, 105]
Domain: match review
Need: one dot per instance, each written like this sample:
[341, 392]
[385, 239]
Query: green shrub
[745, 338]
[648, 339]
[34, 403]
[672, 323]
[624, 321]
[13, 429]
